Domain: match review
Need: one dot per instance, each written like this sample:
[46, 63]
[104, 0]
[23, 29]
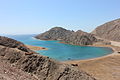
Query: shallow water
[63, 52]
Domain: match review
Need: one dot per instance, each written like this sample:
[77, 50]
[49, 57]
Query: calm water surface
[63, 52]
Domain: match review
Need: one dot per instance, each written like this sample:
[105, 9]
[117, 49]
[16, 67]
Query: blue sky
[36, 16]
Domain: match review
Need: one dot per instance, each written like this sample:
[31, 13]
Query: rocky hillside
[77, 38]
[17, 63]
[109, 30]
[11, 43]
[56, 33]
[81, 38]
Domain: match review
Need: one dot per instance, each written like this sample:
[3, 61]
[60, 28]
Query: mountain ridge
[76, 38]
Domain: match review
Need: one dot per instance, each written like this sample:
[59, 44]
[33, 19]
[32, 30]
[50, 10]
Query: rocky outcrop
[11, 43]
[76, 38]
[40, 67]
[109, 30]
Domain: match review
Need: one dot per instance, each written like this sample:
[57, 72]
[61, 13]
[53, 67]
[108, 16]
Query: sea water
[63, 52]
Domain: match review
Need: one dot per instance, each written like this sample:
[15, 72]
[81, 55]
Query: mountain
[17, 62]
[76, 38]
[109, 30]
[81, 38]
[56, 33]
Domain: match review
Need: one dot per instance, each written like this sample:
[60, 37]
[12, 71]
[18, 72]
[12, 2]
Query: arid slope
[109, 30]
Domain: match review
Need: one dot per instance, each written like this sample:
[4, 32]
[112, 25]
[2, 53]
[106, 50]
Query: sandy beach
[102, 68]
[36, 48]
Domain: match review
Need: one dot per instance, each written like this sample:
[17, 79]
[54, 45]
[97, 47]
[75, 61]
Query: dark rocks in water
[67, 36]
[69, 58]
[41, 67]
[109, 30]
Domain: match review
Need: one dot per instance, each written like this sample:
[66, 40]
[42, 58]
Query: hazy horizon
[35, 17]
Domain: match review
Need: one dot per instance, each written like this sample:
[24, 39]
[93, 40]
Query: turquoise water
[63, 52]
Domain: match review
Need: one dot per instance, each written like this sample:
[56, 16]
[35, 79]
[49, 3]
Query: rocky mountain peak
[57, 28]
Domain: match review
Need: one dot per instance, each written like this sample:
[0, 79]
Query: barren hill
[109, 30]
[76, 38]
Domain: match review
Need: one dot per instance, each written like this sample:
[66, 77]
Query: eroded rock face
[76, 38]
[41, 67]
[109, 30]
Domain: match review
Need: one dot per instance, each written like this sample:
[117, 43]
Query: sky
[37, 16]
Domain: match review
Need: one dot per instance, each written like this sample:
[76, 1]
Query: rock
[76, 38]
[43, 68]
[74, 64]
[109, 30]
[119, 52]
[43, 48]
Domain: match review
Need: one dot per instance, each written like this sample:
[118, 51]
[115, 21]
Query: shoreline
[114, 48]
[36, 48]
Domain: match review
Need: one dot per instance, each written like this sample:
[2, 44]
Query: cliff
[76, 38]
[17, 62]
[109, 30]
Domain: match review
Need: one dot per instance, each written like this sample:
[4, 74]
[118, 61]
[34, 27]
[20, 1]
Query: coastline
[36, 48]
[114, 48]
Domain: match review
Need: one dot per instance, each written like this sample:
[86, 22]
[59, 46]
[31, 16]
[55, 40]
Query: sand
[102, 68]
[36, 48]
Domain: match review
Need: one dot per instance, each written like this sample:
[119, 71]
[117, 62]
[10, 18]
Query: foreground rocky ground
[17, 62]
[10, 72]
